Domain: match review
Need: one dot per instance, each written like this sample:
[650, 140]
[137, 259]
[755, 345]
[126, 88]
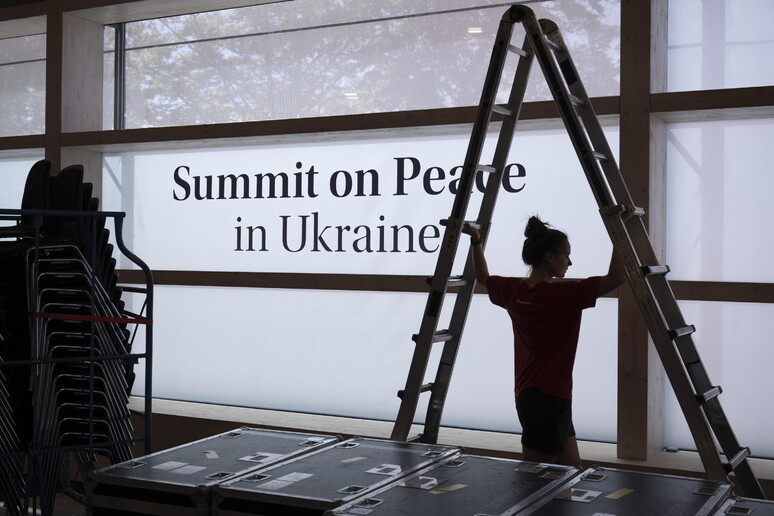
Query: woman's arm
[616, 273]
[479, 260]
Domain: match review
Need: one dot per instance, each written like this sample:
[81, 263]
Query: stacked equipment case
[606, 491]
[464, 485]
[326, 478]
[179, 480]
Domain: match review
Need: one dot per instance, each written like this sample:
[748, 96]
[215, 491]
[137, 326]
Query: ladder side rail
[702, 385]
[563, 101]
[670, 359]
[486, 209]
[586, 113]
[748, 482]
[670, 310]
[446, 363]
[418, 368]
[636, 229]
[581, 141]
[505, 139]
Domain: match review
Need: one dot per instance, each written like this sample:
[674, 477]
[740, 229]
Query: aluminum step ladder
[671, 335]
[442, 280]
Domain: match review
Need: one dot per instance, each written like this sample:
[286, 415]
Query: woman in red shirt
[545, 315]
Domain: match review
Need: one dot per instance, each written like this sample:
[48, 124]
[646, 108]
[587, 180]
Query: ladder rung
[471, 223]
[736, 460]
[577, 101]
[426, 387]
[655, 270]
[442, 336]
[503, 110]
[682, 332]
[714, 392]
[553, 45]
[614, 209]
[439, 336]
[457, 281]
[517, 50]
[486, 168]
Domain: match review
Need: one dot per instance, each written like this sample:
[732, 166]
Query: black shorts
[546, 421]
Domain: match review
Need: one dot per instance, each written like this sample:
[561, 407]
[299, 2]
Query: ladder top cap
[517, 13]
[547, 25]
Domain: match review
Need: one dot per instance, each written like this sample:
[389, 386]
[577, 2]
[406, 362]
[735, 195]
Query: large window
[720, 44]
[13, 175]
[23, 85]
[735, 346]
[718, 200]
[718, 211]
[352, 349]
[310, 58]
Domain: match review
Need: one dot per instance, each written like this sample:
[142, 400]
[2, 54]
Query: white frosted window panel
[718, 200]
[13, 176]
[720, 44]
[413, 177]
[342, 353]
[108, 78]
[481, 392]
[734, 342]
[22, 85]
[311, 58]
[348, 353]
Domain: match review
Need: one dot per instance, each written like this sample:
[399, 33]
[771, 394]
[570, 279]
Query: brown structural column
[74, 62]
[82, 77]
[643, 162]
[53, 135]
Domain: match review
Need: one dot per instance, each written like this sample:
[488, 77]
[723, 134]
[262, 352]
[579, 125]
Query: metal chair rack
[66, 363]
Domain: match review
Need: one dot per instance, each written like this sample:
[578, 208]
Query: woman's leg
[536, 456]
[570, 456]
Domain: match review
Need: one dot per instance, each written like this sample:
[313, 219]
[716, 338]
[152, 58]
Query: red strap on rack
[133, 319]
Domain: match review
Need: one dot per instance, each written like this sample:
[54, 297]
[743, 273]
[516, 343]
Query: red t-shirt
[546, 322]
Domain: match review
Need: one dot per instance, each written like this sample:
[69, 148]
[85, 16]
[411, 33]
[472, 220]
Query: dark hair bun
[541, 238]
[535, 229]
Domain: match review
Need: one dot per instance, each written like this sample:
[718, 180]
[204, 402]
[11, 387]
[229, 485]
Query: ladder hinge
[736, 460]
[655, 270]
[681, 332]
[714, 392]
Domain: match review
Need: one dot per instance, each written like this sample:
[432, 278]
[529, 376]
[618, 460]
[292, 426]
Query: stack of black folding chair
[64, 341]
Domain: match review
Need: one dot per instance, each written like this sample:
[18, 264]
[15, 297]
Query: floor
[64, 506]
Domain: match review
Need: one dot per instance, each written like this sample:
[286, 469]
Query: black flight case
[463, 485]
[737, 506]
[178, 481]
[610, 491]
[326, 478]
